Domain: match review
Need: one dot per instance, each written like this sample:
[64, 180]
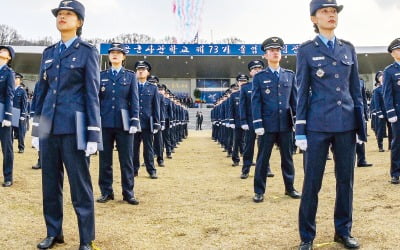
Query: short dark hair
[79, 30]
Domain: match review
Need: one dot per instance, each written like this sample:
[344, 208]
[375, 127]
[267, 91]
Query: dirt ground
[199, 202]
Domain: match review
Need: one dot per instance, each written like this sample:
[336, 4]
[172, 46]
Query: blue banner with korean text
[197, 49]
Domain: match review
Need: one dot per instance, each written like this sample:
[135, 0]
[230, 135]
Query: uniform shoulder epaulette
[306, 43]
[389, 66]
[51, 46]
[346, 42]
[87, 44]
[261, 71]
[130, 71]
[103, 71]
[289, 70]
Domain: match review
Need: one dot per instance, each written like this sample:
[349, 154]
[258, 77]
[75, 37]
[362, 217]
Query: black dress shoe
[153, 175]
[20, 151]
[135, 174]
[132, 201]
[235, 164]
[306, 245]
[244, 176]
[7, 184]
[395, 180]
[37, 166]
[85, 246]
[365, 165]
[161, 164]
[49, 242]
[258, 198]
[293, 194]
[105, 198]
[270, 174]
[381, 150]
[348, 241]
[169, 156]
[253, 164]
[172, 151]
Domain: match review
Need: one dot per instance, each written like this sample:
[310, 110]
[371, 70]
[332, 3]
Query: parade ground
[199, 202]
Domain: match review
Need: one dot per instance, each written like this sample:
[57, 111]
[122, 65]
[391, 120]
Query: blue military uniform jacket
[273, 100]
[391, 90]
[246, 117]
[116, 93]
[168, 112]
[69, 82]
[20, 101]
[329, 95]
[379, 105]
[234, 109]
[162, 109]
[7, 83]
[149, 106]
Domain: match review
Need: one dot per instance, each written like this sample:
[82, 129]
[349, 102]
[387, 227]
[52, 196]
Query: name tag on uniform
[318, 58]
[104, 80]
[249, 91]
[397, 74]
[48, 61]
[267, 81]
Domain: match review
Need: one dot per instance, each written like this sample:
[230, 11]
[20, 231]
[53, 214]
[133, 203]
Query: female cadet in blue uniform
[119, 109]
[273, 104]
[6, 96]
[20, 102]
[329, 111]
[69, 84]
[391, 95]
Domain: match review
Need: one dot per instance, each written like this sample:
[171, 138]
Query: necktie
[276, 74]
[330, 45]
[140, 87]
[62, 48]
[114, 73]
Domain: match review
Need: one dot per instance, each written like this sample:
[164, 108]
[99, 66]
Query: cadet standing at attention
[329, 112]
[119, 109]
[20, 102]
[149, 114]
[67, 98]
[391, 95]
[6, 97]
[273, 104]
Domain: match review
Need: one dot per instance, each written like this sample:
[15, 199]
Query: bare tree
[231, 40]
[8, 35]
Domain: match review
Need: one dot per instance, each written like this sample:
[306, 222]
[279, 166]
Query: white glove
[391, 120]
[91, 148]
[302, 144]
[217, 124]
[22, 118]
[259, 131]
[35, 142]
[155, 131]
[358, 140]
[245, 127]
[233, 126]
[6, 123]
[380, 116]
[162, 128]
[133, 130]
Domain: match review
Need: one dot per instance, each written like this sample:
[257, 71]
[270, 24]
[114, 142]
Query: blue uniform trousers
[343, 145]
[381, 125]
[148, 153]
[167, 140]
[229, 140]
[19, 133]
[248, 153]
[159, 146]
[56, 151]
[360, 151]
[238, 134]
[267, 141]
[8, 155]
[395, 151]
[124, 142]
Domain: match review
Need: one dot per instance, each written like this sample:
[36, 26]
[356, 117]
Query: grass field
[199, 202]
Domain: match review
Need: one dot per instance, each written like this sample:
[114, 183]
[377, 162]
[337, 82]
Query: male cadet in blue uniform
[329, 112]
[149, 116]
[119, 110]
[273, 104]
[32, 114]
[391, 94]
[380, 112]
[6, 96]
[168, 106]
[360, 146]
[20, 102]
[246, 121]
[69, 83]
[234, 119]
[158, 144]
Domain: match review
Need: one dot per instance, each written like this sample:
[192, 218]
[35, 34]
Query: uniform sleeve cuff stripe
[94, 129]
[8, 113]
[298, 122]
[136, 119]
[392, 110]
[259, 120]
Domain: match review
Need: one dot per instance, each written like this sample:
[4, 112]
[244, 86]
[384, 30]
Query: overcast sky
[363, 22]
